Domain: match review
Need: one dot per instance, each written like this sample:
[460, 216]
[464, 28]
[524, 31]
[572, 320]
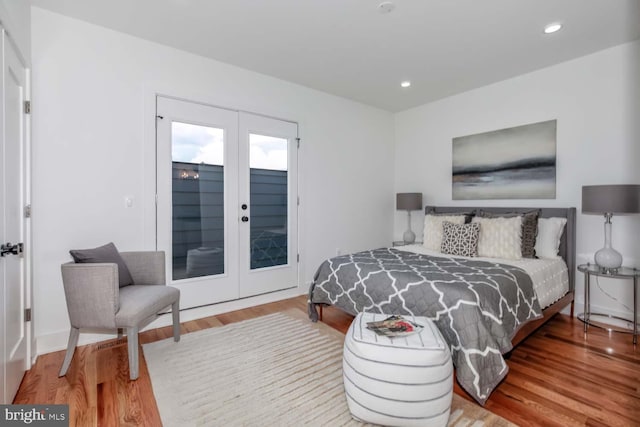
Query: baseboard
[58, 340]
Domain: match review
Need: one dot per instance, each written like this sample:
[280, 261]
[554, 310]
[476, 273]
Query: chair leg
[71, 348]
[175, 312]
[132, 346]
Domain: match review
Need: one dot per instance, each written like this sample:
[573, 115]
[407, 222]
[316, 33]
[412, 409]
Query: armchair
[94, 300]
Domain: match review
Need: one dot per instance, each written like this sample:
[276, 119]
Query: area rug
[275, 370]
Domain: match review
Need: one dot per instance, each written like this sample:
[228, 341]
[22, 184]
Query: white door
[227, 210]
[268, 204]
[14, 351]
[197, 188]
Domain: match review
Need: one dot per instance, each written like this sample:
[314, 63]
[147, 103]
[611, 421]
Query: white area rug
[275, 370]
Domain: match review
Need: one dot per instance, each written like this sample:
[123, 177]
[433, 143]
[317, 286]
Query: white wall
[596, 100]
[15, 18]
[91, 138]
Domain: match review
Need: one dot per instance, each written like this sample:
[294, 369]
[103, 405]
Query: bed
[482, 306]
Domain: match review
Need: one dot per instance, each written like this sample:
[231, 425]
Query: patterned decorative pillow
[500, 237]
[529, 228]
[432, 238]
[460, 239]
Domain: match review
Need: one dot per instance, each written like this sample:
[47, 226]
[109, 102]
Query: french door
[226, 201]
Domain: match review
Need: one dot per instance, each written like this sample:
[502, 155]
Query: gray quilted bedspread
[478, 306]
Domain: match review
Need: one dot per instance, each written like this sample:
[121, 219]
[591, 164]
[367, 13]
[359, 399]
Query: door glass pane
[268, 195]
[197, 200]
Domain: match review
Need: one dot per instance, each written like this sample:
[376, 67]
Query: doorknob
[9, 249]
[244, 206]
[245, 218]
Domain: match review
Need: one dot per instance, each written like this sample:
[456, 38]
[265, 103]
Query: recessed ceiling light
[405, 84]
[552, 28]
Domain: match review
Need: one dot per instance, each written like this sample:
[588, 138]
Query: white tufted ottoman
[402, 381]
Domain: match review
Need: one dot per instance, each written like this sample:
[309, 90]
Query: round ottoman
[401, 381]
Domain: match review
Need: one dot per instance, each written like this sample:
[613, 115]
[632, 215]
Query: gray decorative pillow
[468, 216]
[460, 239]
[529, 228]
[106, 253]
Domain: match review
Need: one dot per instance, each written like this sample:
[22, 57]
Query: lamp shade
[409, 201]
[613, 199]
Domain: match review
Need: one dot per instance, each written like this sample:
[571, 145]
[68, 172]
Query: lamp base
[409, 237]
[608, 258]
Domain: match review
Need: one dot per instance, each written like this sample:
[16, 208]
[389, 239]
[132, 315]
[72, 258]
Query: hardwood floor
[558, 377]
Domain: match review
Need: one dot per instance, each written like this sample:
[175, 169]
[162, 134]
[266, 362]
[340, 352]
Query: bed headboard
[567, 241]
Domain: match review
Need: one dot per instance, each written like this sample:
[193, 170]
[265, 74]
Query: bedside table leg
[635, 310]
[587, 309]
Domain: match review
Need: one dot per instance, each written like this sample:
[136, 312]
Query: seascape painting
[513, 163]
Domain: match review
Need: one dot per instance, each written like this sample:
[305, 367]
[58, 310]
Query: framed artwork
[513, 163]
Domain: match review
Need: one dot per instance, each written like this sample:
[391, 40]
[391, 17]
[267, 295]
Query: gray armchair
[95, 301]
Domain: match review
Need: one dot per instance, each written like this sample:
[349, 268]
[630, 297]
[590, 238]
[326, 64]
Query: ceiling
[350, 49]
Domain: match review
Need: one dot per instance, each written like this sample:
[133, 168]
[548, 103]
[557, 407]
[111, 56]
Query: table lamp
[608, 200]
[409, 202]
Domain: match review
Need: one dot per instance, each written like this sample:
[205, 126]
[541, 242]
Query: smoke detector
[386, 7]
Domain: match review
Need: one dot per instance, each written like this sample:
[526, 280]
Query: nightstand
[631, 274]
[402, 243]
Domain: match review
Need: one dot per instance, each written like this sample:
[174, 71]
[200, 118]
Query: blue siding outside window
[198, 219]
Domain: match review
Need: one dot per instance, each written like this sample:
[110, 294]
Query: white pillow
[432, 238]
[548, 239]
[500, 237]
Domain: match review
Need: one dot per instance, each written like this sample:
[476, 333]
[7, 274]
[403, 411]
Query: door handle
[9, 249]
[245, 219]
[244, 206]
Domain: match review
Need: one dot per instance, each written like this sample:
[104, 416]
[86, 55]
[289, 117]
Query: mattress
[550, 277]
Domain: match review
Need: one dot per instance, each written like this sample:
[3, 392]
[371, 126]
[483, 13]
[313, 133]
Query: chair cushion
[106, 253]
[138, 302]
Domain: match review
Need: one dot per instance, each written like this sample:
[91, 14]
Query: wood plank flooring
[558, 376]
